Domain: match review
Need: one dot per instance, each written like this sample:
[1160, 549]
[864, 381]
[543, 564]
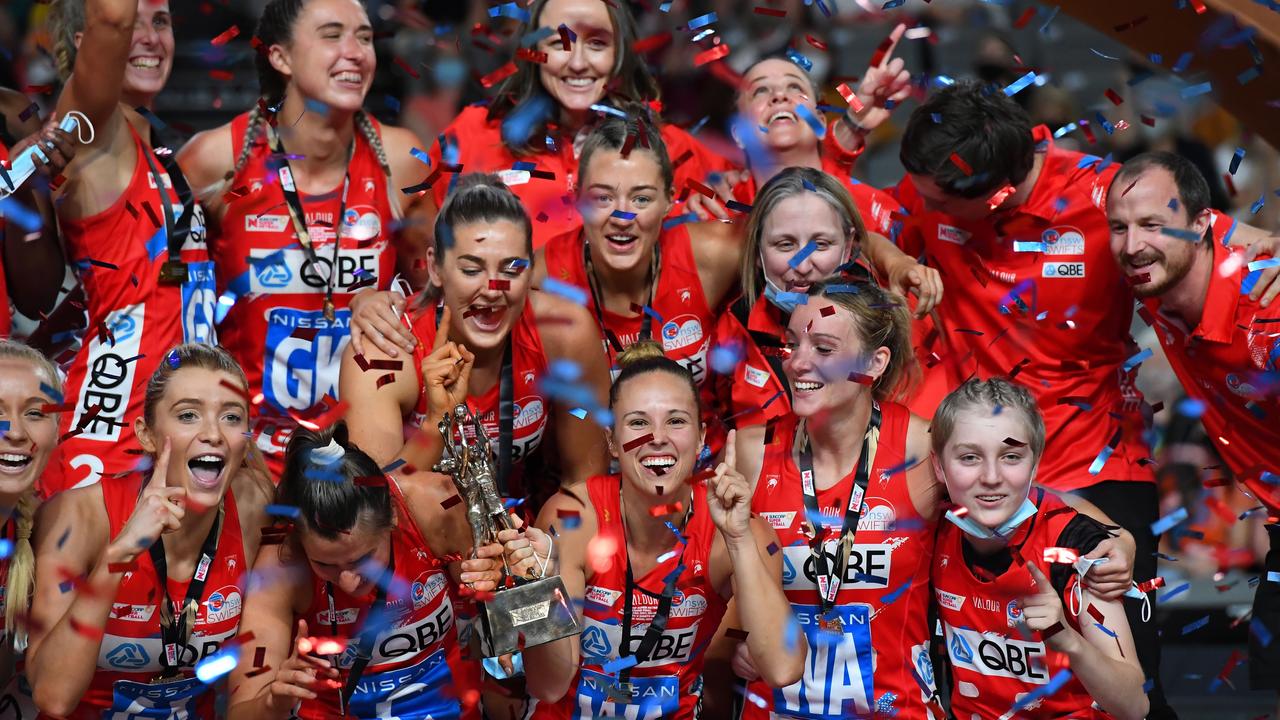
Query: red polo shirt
[1033, 292]
[1229, 362]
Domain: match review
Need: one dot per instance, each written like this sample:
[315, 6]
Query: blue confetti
[580, 413]
[1196, 90]
[623, 215]
[1065, 129]
[1184, 60]
[1020, 84]
[1257, 204]
[6, 548]
[1235, 160]
[566, 370]
[1188, 235]
[892, 4]
[1101, 460]
[1263, 264]
[806, 114]
[1044, 28]
[679, 220]
[511, 10]
[702, 20]
[519, 124]
[803, 254]
[52, 392]
[1175, 592]
[1028, 246]
[793, 297]
[1191, 408]
[1137, 359]
[284, 510]
[532, 38]
[421, 154]
[1054, 685]
[218, 664]
[800, 60]
[725, 358]
[1273, 576]
[1165, 523]
[609, 110]
[20, 215]
[1195, 625]
[1250, 74]
[619, 664]
[573, 293]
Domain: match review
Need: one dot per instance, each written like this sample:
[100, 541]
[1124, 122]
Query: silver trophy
[538, 609]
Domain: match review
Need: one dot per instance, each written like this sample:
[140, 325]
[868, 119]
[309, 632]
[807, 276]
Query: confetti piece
[1060, 679]
[1137, 360]
[1257, 265]
[815, 42]
[669, 509]
[800, 59]
[1152, 584]
[1061, 555]
[533, 56]
[702, 21]
[961, 164]
[1259, 630]
[1020, 84]
[283, 511]
[793, 297]
[407, 67]
[573, 293]
[510, 10]
[226, 36]
[218, 664]
[499, 284]
[1114, 97]
[637, 442]
[1025, 18]
[498, 75]
[623, 215]
[711, 55]
[806, 114]
[1195, 625]
[619, 664]
[1196, 90]
[1167, 522]
[850, 97]
[1235, 160]
[803, 254]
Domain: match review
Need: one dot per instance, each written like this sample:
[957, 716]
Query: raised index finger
[730, 450]
[884, 53]
[442, 330]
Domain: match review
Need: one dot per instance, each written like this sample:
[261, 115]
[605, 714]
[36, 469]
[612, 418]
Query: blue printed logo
[128, 656]
[273, 275]
[124, 327]
[303, 354]
[960, 649]
[788, 570]
[595, 643]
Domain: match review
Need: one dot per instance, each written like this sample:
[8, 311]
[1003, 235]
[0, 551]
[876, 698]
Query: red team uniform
[684, 327]
[416, 669]
[669, 683]
[546, 181]
[1025, 309]
[134, 319]
[883, 599]
[531, 405]
[277, 329]
[992, 664]
[1230, 362]
[130, 656]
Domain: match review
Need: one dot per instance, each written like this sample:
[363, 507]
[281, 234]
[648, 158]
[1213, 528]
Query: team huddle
[792, 445]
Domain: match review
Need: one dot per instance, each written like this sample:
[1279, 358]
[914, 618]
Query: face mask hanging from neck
[974, 529]
[784, 301]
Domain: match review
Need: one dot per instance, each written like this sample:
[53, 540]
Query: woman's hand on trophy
[483, 573]
[527, 551]
[446, 372]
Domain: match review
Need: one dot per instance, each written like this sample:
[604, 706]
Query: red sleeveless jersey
[546, 180]
[992, 663]
[131, 652]
[686, 320]
[277, 329]
[883, 599]
[1034, 293]
[416, 668]
[134, 320]
[754, 391]
[532, 406]
[669, 684]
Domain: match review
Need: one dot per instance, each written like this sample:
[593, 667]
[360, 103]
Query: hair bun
[640, 351]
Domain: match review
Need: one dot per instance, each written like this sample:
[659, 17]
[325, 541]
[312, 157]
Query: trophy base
[539, 612]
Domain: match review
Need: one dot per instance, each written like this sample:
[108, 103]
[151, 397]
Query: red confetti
[566, 42]
[712, 55]
[850, 97]
[451, 501]
[258, 671]
[89, 631]
[1064, 556]
[637, 442]
[386, 379]
[1199, 6]
[736, 633]
[122, 567]
[496, 284]
[226, 35]
[1052, 630]
[1001, 195]
[1220, 509]
[653, 42]
[222, 75]
[668, 509]
[1024, 18]
[534, 56]
[1231, 186]
[861, 379]
[407, 68]
[1114, 97]
[827, 311]
[1152, 584]
[771, 12]
[881, 50]
[54, 408]
[815, 42]
[960, 163]
[701, 189]
[498, 75]
[1096, 614]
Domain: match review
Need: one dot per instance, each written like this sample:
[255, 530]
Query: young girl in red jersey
[140, 578]
[652, 556]
[366, 568]
[1003, 574]
[29, 383]
[480, 315]
[131, 227]
[532, 131]
[642, 281]
[863, 606]
[304, 194]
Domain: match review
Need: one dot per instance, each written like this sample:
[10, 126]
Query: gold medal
[329, 313]
[832, 624]
[173, 272]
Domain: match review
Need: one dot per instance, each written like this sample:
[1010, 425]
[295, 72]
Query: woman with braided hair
[29, 383]
[140, 249]
[302, 192]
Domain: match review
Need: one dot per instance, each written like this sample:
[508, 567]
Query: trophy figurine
[536, 608]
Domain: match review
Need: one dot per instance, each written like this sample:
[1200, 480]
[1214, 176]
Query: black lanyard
[506, 410]
[661, 616]
[176, 231]
[646, 321]
[368, 631]
[828, 577]
[176, 624]
[770, 345]
[299, 217]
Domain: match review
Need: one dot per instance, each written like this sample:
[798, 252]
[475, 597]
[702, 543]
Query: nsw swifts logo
[680, 332]
[528, 412]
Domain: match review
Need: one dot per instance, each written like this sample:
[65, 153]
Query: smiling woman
[160, 553]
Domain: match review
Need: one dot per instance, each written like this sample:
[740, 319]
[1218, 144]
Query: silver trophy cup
[537, 609]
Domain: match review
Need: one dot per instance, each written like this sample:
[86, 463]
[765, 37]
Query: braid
[365, 125]
[250, 135]
[22, 564]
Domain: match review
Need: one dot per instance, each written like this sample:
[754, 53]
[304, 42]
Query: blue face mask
[974, 529]
[784, 301]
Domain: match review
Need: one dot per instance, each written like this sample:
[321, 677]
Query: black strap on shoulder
[176, 624]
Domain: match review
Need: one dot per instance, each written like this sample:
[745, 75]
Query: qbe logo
[1063, 270]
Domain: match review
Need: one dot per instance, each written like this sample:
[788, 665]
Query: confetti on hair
[961, 164]
[1000, 196]
[1020, 84]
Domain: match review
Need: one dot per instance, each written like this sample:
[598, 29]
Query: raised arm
[570, 333]
[903, 273]
[756, 577]
[417, 227]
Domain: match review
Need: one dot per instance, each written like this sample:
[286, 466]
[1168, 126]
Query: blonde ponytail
[22, 567]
